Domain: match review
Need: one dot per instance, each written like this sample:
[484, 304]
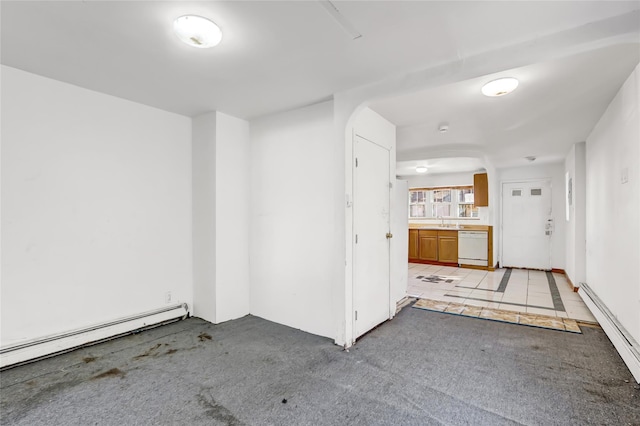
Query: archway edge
[348, 104]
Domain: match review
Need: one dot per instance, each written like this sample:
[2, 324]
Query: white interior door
[371, 206]
[527, 224]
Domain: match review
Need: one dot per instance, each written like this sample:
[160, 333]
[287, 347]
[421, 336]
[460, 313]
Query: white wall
[232, 217]
[440, 179]
[220, 216]
[204, 216]
[575, 238]
[96, 207]
[555, 172]
[293, 211]
[613, 207]
[400, 241]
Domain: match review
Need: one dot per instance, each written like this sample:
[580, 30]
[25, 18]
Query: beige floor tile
[487, 286]
[460, 292]
[508, 307]
[582, 315]
[536, 274]
[514, 299]
[487, 296]
[455, 308]
[538, 291]
[561, 314]
[452, 299]
[538, 287]
[432, 305]
[544, 301]
[571, 325]
[472, 311]
[570, 296]
[500, 315]
[573, 303]
[543, 321]
[538, 311]
[478, 303]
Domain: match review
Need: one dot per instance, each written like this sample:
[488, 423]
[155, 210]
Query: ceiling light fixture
[443, 128]
[530, 158]
[500, 87]
[421, 169]
[197, 31]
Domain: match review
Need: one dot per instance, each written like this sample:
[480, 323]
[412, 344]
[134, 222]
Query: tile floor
[520, 290]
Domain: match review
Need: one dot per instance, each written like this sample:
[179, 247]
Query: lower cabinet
[448, 246]
[413, 244]
[433, 245]
[428, 247]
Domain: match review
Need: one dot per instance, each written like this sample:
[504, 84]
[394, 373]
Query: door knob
[389, 235]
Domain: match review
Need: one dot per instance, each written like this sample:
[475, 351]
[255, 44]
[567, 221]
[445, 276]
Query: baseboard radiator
[624, 343]
[32, 350]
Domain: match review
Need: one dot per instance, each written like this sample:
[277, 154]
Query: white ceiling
[440, 165]
[556, 104]
[279, 55]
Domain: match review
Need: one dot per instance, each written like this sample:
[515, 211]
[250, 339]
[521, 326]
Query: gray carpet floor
[421, 368]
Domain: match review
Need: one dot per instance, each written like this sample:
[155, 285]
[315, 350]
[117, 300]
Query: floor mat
[520, 318]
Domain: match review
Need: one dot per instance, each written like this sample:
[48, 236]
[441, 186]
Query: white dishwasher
[472, 248]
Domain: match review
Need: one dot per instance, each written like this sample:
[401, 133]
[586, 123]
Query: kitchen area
[454, 239]
[465, 245]
[451, 257]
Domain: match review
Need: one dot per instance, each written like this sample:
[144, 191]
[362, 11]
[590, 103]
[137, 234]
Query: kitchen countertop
[449, 227]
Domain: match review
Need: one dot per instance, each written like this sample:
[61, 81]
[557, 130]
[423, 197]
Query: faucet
[441, 220]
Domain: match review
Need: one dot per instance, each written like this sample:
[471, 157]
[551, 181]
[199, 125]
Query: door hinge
[356, 162]
[356, 238]
[390, 185]
[356, 315]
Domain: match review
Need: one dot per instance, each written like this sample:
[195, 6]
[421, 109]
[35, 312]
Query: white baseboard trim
[624, 343]
[43, 347]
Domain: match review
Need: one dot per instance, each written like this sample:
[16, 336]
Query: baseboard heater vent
[624, 343]
[44, 347]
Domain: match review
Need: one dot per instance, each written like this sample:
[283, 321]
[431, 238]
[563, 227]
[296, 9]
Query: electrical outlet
[167, 297]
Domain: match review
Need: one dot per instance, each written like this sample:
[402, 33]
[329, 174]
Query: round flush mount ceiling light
[500, 87]
[421, 169]
[197, 31]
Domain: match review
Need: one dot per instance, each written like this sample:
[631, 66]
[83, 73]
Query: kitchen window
[450, 202]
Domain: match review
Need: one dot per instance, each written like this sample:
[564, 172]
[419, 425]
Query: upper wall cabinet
[481, 190]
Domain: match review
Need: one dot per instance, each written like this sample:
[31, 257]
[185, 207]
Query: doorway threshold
[500, 315]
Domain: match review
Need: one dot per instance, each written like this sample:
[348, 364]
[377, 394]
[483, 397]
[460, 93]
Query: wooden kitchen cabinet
[428, 244]
[480, 190]
[448, 246]
[414, 252]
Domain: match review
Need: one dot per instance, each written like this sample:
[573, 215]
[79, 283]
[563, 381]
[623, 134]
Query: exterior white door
[371, 204]
[527, 224]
